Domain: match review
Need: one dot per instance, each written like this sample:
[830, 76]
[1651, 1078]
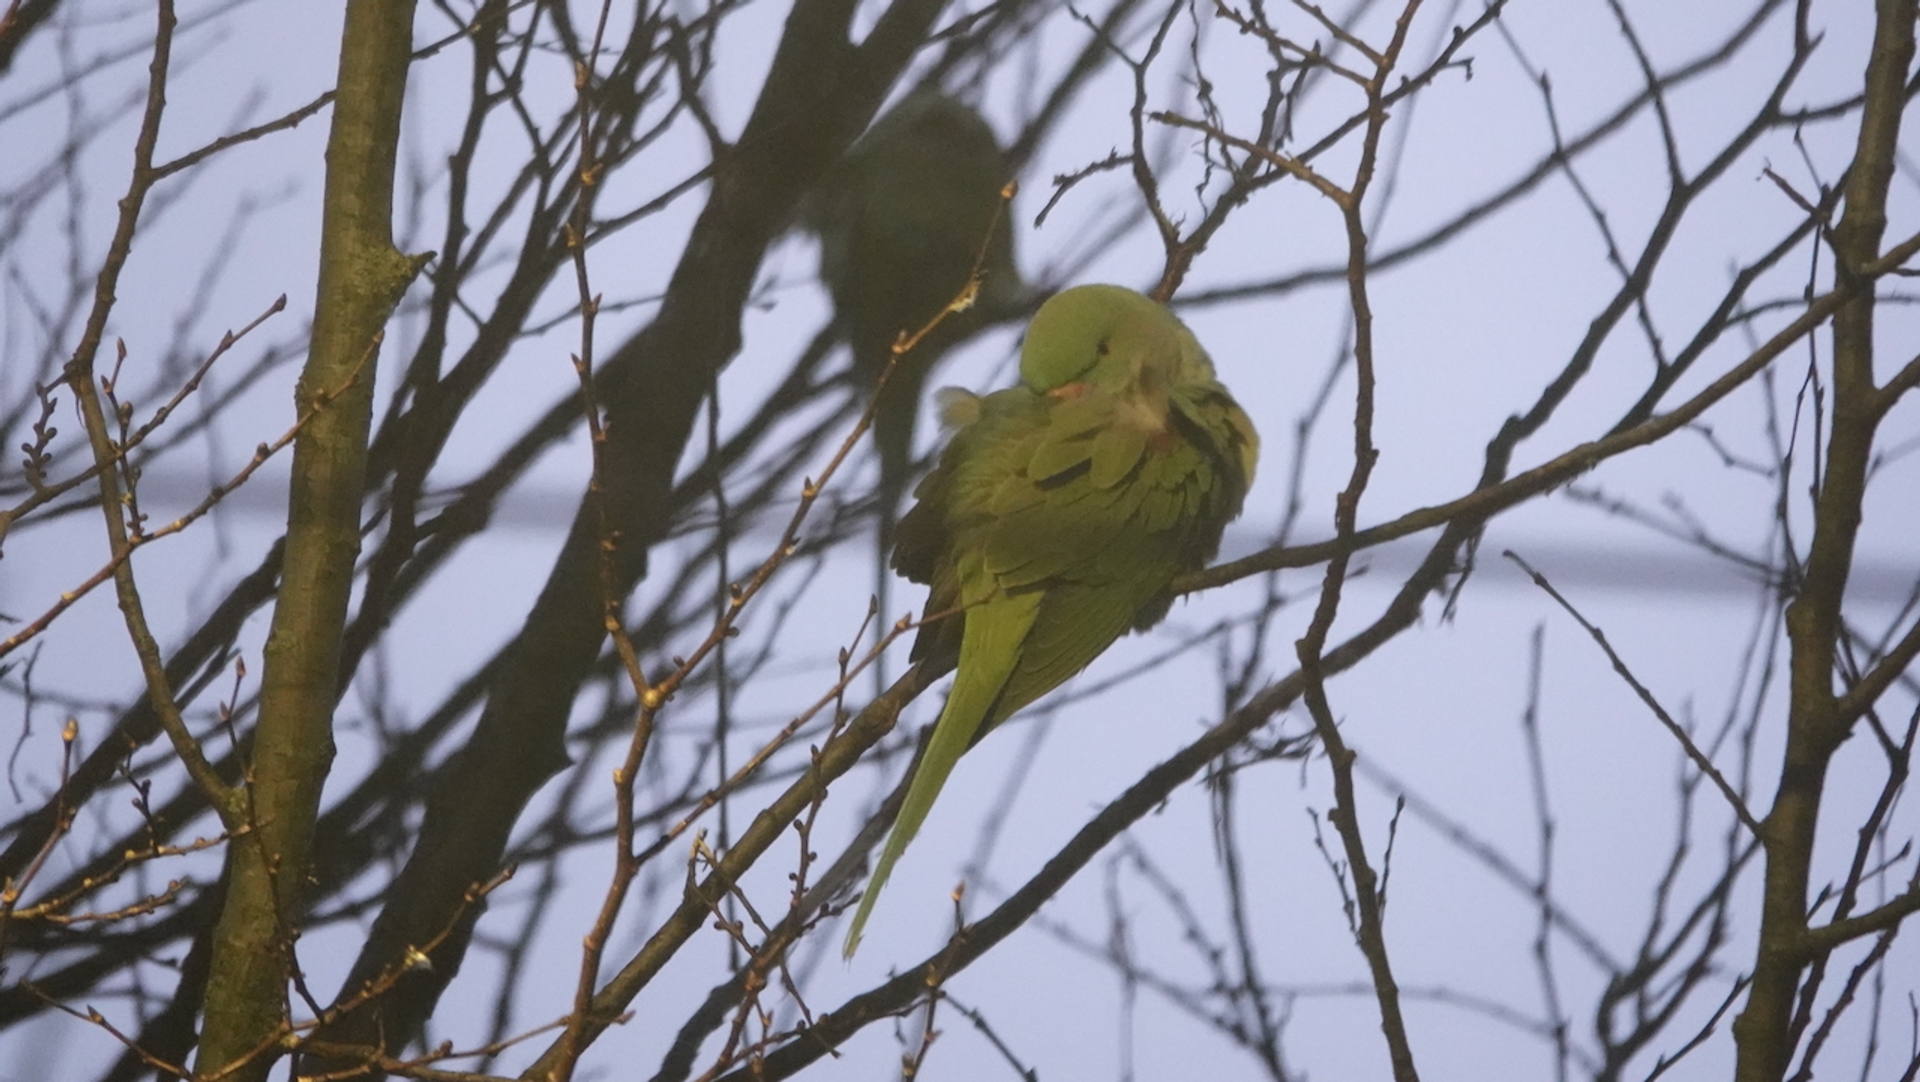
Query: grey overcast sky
[1658, 547]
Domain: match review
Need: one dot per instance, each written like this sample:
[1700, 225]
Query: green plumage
[903, 219]
[1060, 511]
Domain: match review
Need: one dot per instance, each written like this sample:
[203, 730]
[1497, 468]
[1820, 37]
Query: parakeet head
[1110, 337]
[903, 216]
[1114, 340]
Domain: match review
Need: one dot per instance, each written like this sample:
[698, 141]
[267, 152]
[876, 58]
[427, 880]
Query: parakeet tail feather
[989, 649]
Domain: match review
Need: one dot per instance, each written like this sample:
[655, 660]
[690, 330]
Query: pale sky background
[1464, 339]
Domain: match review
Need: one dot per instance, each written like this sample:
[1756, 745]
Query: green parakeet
[902, 220]
[1059, 513]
